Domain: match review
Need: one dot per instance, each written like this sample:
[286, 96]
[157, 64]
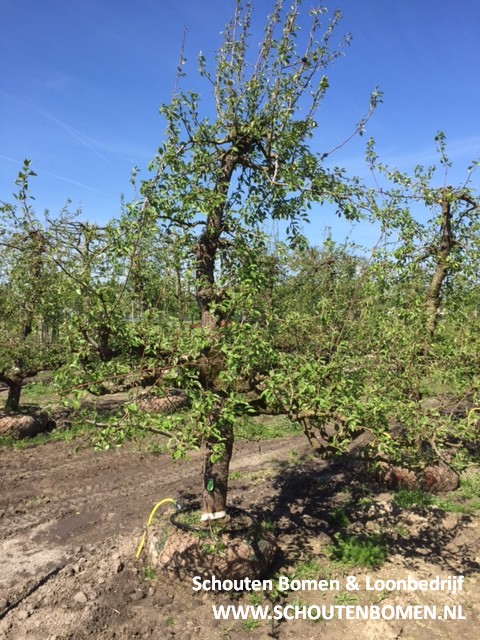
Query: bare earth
[71, 519]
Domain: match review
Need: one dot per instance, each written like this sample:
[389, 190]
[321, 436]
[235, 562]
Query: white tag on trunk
[213, 516]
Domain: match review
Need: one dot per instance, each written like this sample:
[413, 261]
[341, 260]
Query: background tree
[29, 307]
[374, 343]
[444, 245]
[421, 281]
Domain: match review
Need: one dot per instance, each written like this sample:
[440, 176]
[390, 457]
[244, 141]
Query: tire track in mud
[64, 514]
[53, 499]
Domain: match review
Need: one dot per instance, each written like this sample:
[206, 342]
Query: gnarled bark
[215, 472]
[447, 243]
[13, 380]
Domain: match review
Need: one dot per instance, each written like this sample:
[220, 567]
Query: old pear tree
[225, 168]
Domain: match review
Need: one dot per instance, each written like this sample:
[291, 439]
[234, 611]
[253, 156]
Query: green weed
[149, 573]
[345, 598]
[360, 551]
[250, 625]
[402, 531]
[110, 437]
[268, 526]
[216, 547]
[293, 456]
[156, 449]
[298, 602]
[451, 506]
[306, 569]
[338, 518]
[254, 598]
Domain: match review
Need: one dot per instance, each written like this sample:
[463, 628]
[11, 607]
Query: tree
[363, 344]
[28, 305]
[419, 310]
[216, 181]
[125, 296]
[444, 245]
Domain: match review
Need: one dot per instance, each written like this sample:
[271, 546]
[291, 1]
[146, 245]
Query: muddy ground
[71, 519]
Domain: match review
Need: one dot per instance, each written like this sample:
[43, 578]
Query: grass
[358, 551]
[99, 439]
[266, 428]
[451, 505]
[190, 518]
[466, 499]
[210, 531]
[259, 477]
[43, 393]
[407, 498]
[81, 425]
[470, 486]
[57, 435]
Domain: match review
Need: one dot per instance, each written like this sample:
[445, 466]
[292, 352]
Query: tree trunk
[105, 351]
[215, 476]
[215, 472]
[433, 297]
[447, 243]
[14, 384]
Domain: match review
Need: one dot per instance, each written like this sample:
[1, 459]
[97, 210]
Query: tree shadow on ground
[315, 500]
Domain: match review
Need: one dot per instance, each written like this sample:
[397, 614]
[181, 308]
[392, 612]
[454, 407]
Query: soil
[71, 519]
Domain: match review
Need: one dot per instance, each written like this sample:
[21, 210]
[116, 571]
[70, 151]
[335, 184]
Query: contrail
[10, 159]
[78, 184]
[78, 135]
[59, 177]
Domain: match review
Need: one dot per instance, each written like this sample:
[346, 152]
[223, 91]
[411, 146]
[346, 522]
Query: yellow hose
[149, 522]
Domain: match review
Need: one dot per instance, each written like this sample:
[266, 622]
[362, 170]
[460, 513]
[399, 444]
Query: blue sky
[82, 81]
